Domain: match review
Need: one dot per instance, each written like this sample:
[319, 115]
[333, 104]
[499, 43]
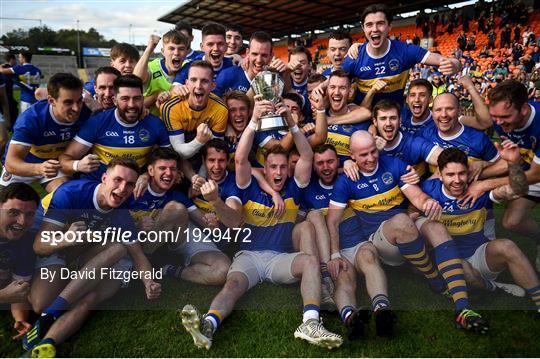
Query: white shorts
[8, 178]
[534, 190]
[478, 262]
[350, 253]
[190, 248]
[388, 253]
[260, 266]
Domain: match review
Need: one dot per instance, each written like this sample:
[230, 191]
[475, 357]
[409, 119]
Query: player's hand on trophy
[277, 65]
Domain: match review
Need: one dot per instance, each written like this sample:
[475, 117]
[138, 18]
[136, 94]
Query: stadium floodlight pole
[79, 59]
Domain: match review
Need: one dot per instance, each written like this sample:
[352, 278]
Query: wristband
[252, 125]
[76, 166]
[335, 255]
[321, 111]
[294, 129]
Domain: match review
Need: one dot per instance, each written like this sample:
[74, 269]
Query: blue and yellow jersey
[413, 150]
[27, 77]
[392, 67]
[376, 196]
[109, 137]
[180, 119]
[476, 144]
[317, 196]
[76, 200]
[182, 75]
[152, 202]
[232, 151]
[526, 137]
[407, 124]
[464, 223]
[227, 189]
[47, 137]
[340, 137]
[267, 231]
[233, 78]
[17, 258]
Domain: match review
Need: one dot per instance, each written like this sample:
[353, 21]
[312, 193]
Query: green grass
[265, 319]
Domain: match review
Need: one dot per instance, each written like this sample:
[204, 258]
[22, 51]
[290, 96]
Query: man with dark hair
[18, 204]
[116, 132]
[388, 60]
[158, 75]
[43, 132]
[518, 120]
[483, 259]
[214, 47]
[194, 121]
[185, 28]
[27, 77]
[338, 45]
[91, 209]
[163, 208]
[233, 37]
[416, 114]
[259, 54]
[338, 92]
[268, 255]
[104, 86]
[300, 67]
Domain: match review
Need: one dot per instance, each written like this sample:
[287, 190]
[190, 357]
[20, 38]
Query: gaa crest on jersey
[144, 135]
[393, 64]
[387, 178]
[464, 148]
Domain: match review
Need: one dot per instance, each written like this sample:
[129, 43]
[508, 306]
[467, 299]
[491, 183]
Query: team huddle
[365, 175]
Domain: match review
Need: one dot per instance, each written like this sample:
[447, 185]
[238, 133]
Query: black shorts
[532, 198]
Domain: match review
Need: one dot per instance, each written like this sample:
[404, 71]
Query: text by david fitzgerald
[100, 274]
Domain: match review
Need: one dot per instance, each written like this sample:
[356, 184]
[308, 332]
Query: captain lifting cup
[269, 85]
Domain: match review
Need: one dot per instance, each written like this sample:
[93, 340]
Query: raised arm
[141, 69]
[447, 65]
[241, 157]
[482, 119]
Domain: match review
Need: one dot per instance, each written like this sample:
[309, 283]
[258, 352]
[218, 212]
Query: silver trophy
[269, 85]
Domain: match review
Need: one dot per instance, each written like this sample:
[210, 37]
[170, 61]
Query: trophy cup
[269, 85]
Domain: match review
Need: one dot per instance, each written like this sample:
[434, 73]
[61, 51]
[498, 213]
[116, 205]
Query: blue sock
[380, 301]
[345, 312]
[449, 265]
[57, 308]
[415, 252]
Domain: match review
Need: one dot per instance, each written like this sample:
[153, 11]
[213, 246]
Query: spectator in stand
[465, 23]
[438, 84]
[505, 35]
[535, 55]
[517, 53]
[517, 33]
[489, 74]
[408, 40]
[492, 36]
[462, 41]
[416, 40]
[471, 42]
[527, 35]
[485, 52]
